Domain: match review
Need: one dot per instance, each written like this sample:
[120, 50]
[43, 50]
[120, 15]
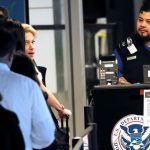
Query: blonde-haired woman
[30, 50]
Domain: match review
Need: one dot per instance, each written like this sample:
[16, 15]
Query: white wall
[41, 13]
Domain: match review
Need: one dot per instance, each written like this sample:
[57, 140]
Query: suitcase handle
[66, 121]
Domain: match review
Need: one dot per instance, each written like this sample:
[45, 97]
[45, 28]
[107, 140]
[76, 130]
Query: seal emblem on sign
[129, 133]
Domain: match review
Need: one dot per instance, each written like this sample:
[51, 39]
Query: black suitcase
[62, 135]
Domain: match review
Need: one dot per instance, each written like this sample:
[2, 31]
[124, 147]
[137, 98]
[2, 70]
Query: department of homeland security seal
[129, 133]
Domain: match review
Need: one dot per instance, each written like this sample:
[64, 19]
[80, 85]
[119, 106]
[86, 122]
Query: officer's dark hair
[145, 6]
[18, 31]
[5, 12]
[20, 35]
[8, 41]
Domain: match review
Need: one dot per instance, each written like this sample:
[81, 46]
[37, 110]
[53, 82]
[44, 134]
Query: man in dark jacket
[134, 52]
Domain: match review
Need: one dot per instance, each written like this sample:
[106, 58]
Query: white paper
[147, 107]
[148, 73]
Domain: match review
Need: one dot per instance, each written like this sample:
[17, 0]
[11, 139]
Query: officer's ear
[11, 57]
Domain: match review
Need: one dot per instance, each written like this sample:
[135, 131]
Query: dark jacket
[133, 63]
[10, 134]
[43, 72]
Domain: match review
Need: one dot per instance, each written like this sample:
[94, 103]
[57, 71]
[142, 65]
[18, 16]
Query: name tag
[131, 58]
[132, 49]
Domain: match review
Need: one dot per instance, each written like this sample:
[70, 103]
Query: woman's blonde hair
[29, 28]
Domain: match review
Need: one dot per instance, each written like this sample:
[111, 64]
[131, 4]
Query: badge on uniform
[131, 47]
[131, 58]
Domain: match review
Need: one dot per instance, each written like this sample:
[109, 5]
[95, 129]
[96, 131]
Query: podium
[111, 103]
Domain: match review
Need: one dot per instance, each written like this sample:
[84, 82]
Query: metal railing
[91, 132]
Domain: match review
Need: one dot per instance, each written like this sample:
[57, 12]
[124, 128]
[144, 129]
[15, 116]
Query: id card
[132, 49]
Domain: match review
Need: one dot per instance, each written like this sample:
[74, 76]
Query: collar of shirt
[4, 66]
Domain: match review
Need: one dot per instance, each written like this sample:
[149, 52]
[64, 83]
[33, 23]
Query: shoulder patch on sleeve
[125, 43]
